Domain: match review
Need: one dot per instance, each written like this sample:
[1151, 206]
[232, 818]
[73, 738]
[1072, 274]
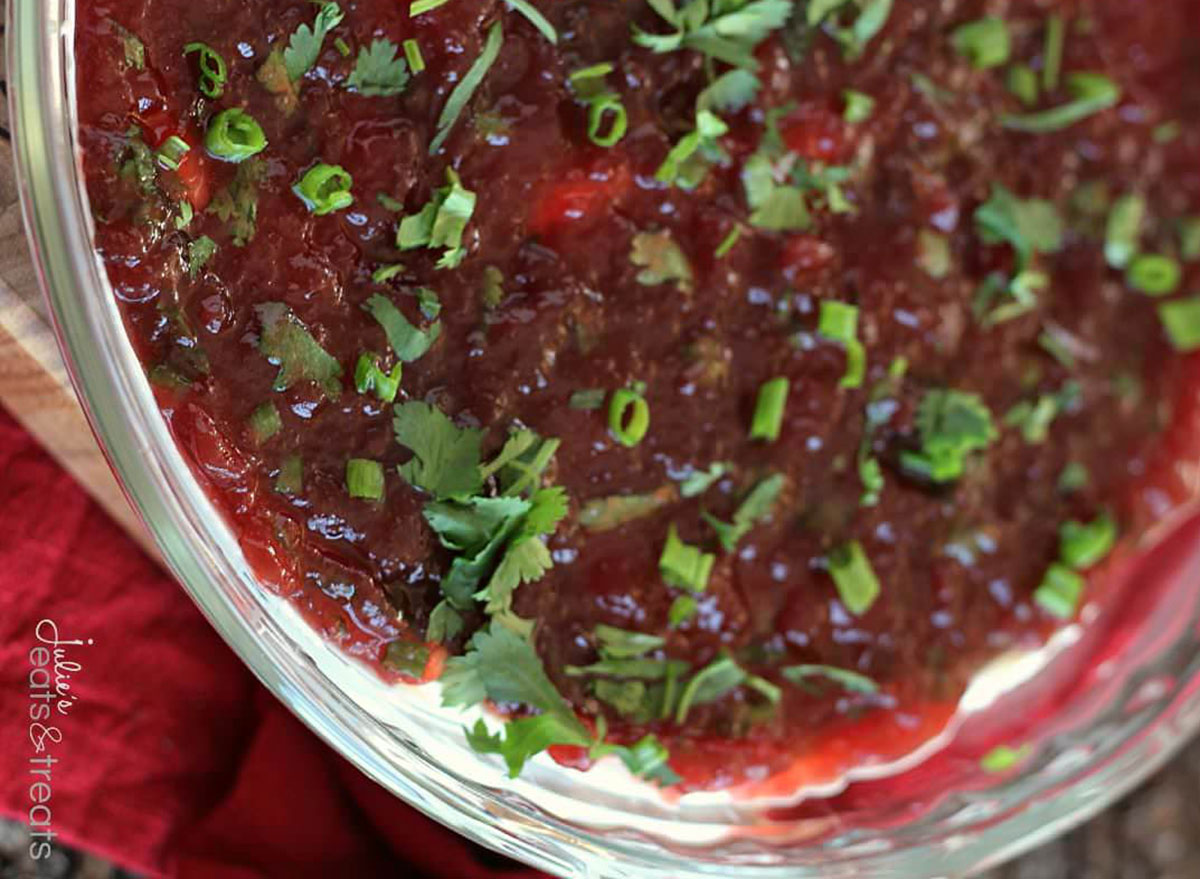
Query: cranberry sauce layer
[689, 381]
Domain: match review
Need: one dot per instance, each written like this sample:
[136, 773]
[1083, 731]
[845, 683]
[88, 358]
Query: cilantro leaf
[461, 96]
[444, 623]
[701, 481]
[304, 47]
[717, 679]
[1030, 225]
[724, 31]
[407, 341]
[503, 667]
[380, 70]
[952, 424]
[851, 681]
[755, 508]
[445, 459]
[526, 559]
[773, 206]
[236, 205]
[623, 644]
[287, 343]
[661, 260]
[440, 223]
[199, 252]
[683, 565]
[608, 513]
[729, 92]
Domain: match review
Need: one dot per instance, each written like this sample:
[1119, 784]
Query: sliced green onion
[1003, 758]
[985, 43]
[419, 7]
[1124, 230]
[1091, 93]
[728, 242]
[1181, 320]
[839, 323]
[684, 566]
[848, 680]
[527, 9]
[412, 52]
[600, 106]
[588, 399]
[264, 423]
[325, 189]
[768, 412]
[291, 475]
[364, 479]
[234, 136]
[1084, 546]
[628, 416]
[1154, 274]
[1023, 83]
[1059, 592]
[596, 71]
[172, 151]
[368, 377]
[342, 46]
[859, 106]
[461, 96]
[855, 579]
[1052, 60]
[213, 72]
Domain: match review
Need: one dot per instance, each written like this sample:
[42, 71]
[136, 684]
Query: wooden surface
[1153, 834]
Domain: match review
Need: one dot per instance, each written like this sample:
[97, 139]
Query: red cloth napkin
[170, 758]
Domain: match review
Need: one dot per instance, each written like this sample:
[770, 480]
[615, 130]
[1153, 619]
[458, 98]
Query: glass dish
[1094, 722]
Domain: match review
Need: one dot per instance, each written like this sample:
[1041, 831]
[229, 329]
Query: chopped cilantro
[1181, 320]
[869, 19]
[364, 479]
[717, 679]
[617, 643]
[683, 565]
[1052, 55]
[859, 106]
[850, 681]
[290, 479]
[933, 254]
[700, 481]
[441, 222]
[774, 206]
[952, 424]
[728, 243]
[767, 423]
[1090, 92]
[133, 49]
[682, 609]
[264, 423]
[730, 92]
[608, 513]
[407, 658]
[756, 507]
[304, 47]
[199, 252]
[1085, 545]
[1023, 83]
[379, 70]
[461, 96]
[407, 341]
[838, 323]
[1074, 477]
[590, 399]
[661, 260]
[855, 579]
[1059, 592]
[725, 31]
[287, 343]
[445, 459]
[237, 204]
[503, 667]
[444, 623]
[368, 378]
[985, 43]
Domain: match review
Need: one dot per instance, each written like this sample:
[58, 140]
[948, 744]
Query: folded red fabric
[158, 749]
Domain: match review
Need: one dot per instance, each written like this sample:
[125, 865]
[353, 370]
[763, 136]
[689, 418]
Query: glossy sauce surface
[557, 216]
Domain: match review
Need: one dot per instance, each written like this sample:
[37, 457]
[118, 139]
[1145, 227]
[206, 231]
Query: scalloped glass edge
[551, 818]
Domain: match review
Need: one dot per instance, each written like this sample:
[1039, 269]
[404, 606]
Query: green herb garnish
[287, 343]
[1091, 93]
[838, 323]
[767, 422]
[854, 577]
[213, 72]
[380, 71]
[1154, 274]
[325, 189]
[304, 47]
[607, 513]
[851, 681]
[233, 136]
[264, 423]
[461, 96]
[661, 260]
[628, 416]
[951, 424]
[368, 378]
[412, 52]
[364, 479]
[1085, 545]
[985, 43]
[1124, 230]
[683, 565]
[445, 459]
[1181, 320]
[757, 507]
[441, 222]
